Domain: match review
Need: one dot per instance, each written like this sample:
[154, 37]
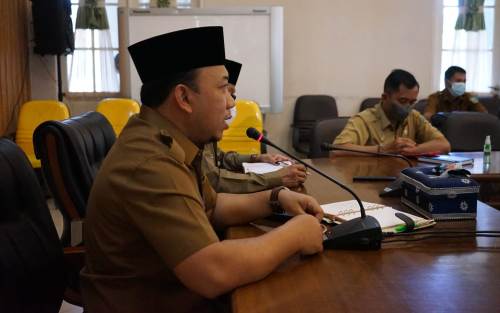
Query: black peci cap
[233, 68]
[164, 56]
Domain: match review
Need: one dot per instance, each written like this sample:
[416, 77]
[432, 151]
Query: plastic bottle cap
[488, 140]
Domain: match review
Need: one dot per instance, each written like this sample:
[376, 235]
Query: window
[91, 68]
[184, 4]
[181, 4]
[471, 50]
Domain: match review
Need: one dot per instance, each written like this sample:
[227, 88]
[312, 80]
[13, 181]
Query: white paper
[262, 168]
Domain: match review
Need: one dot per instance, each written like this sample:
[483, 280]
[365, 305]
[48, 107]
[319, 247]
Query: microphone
[360, 233]
[394, 189]
[328, 147]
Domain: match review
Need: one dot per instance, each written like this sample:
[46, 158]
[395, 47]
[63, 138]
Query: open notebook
[386, 216]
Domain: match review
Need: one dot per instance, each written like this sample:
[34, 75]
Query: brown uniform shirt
[372, 127]
[443, 101]
[228, 177]
[148, 210]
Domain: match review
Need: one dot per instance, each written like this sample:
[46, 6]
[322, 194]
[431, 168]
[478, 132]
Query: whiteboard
[252, 36]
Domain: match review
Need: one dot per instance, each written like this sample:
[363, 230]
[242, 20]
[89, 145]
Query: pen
[400, 229]
[283, 163]
[332, 218]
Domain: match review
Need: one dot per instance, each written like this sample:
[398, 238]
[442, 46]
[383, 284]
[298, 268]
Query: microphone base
[356, 234]
[394, 189]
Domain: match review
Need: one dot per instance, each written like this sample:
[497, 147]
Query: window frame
[89, 95]
[438, 42]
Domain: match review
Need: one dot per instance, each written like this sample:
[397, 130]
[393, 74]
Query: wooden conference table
[436, 275]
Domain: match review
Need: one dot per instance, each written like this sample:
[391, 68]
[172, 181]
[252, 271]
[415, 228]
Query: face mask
[457, 89]
[399, 112]
[233, 116]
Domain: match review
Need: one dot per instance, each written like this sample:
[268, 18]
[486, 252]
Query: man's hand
[296, 203]
[409, 151]
[271, 158]
[293, 176]
[398, 145]
[309, 231]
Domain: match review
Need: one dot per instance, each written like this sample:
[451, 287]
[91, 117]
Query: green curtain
[471, 16]
[90, 15]
[163, 3]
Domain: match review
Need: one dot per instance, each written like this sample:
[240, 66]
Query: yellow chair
[248, 114]
[32, 114]
[118, 111]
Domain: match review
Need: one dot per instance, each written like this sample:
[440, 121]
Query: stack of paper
[262, 168]
[446, 159]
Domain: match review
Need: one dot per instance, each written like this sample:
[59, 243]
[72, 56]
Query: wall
[338, 47]
[347, 48]
[496, 47]
[14, 65]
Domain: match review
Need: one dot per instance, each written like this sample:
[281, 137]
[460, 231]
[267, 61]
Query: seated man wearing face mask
[392, 126]
[453, 97]
[225, 171]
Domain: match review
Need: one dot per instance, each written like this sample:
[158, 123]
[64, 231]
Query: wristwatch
[274, 202]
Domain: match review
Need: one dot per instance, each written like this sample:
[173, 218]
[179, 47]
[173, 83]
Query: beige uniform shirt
[148, 210]
[227, 176]
[443, 101]
[372, 127]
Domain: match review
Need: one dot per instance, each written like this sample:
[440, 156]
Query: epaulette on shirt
[174, 149]
[165, 138]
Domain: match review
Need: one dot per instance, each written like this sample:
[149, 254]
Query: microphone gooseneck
[358, 233]
[329, 147]
[256, 135]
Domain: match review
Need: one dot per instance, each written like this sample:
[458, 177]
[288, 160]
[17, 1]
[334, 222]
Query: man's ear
[181, 94]
[384, 96]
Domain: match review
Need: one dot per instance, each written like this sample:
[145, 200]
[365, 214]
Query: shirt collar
[167, 128]
[384, 121]
[449, 97]
[447, 94]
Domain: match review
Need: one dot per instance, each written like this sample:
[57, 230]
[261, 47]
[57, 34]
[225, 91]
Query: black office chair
[420, 105]
[466, 131]
[492, 104]
[32, 276]
[310, 109]
[368, 103]
[71, 152]
[325, 131]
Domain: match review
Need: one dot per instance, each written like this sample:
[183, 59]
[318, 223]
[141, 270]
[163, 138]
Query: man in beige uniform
[228, 176]
[150, 227]
[391, 126]
[453, 97]
[224, 170]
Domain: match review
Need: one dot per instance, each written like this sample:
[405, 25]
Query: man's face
[210, 104]
[232, 92]
[232, 104]
[456, 78]
[399, 102]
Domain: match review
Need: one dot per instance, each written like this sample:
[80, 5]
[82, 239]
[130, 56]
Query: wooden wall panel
[14, 62]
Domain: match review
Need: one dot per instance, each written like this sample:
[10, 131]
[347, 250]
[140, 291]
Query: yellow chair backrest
[118, 111]
[248, 114]
[32, 114]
